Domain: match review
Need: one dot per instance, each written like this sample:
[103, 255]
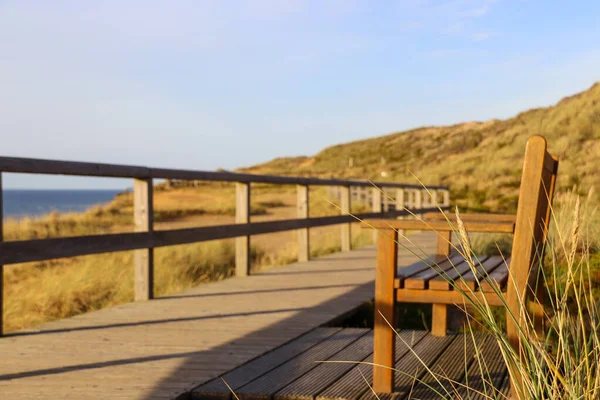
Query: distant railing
[407, 199]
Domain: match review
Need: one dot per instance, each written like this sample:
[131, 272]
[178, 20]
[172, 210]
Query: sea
[19, 203]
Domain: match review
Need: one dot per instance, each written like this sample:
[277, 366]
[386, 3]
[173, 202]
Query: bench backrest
[533, 212]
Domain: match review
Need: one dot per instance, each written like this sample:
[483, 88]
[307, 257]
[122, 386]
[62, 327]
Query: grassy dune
[481, 161]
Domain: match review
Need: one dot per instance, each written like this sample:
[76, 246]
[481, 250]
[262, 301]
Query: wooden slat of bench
[489, 368]
[266, 385]
[421, 279]
[412, 366]
[449, 369]
[446, 297]
[483, 269]
[447, 281]
[251, 370]
[352, 385]
[498, 276]
[315, 381]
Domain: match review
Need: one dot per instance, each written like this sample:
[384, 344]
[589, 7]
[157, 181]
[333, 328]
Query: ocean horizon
[21, 203]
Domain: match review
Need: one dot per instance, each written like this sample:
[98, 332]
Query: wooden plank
[302, 211]
[242, 216]
[453, 276]
[486, 373]
[143, 222]
[421, 279]
[437, 216]
[251, 370]
[444, 297]
[345, 210]
[266, 385]
[352, 385]
[412, 366]
[468, 280]
[448, 370]
[317, 380]
[45, 249]
[413, 224]
[497, 278]
[412, 269]
[383, 344]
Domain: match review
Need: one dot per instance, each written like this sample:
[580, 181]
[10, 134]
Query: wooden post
[346, 230]
[439, 315]
[383, 341]
[1, 266]
[400, 199]
[386, 202]
[242, 216]
[446, 200]
[143, 220]
[419, 202]
[302, 212]
[376, 195]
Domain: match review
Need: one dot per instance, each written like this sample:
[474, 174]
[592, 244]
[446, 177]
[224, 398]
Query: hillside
[479, 160]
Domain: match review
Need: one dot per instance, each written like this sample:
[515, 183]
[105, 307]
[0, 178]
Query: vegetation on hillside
[481, 161]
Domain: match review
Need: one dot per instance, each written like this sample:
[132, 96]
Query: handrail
[55, 167]
[408, 199]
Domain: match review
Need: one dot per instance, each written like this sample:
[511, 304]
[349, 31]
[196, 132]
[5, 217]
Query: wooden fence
[144, 238]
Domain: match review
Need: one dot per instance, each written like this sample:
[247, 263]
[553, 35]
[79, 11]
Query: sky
[226, 84]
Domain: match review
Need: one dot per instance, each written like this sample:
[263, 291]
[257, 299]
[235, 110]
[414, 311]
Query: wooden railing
[144, 238]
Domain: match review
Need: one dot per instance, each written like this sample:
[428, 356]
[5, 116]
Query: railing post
[376, 195]
[419, 202]
[143, 220]
[400, 201]
[446, 200]
[302, 212]
[383, 334]
[346, 230]
[1, 266]
[242, 216]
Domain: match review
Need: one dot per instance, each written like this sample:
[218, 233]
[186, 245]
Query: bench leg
[439, 323]
[383, 342]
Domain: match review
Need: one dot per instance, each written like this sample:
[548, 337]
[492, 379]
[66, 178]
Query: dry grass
[44, 291]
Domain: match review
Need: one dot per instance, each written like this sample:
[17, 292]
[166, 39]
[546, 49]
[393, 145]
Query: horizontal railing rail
[408, 199]
[53, 167]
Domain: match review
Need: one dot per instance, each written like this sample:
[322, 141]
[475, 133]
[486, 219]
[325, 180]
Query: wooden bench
[438, 280]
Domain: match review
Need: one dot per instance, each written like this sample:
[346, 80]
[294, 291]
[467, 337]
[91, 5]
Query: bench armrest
[418, 225]
[437, 216]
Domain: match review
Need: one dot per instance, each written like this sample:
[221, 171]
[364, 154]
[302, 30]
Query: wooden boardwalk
[162, 349]
[296, 371]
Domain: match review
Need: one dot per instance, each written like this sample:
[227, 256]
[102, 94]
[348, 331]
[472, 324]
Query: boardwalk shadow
[321, 314]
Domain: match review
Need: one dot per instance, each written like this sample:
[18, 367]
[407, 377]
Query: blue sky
[208, 84]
